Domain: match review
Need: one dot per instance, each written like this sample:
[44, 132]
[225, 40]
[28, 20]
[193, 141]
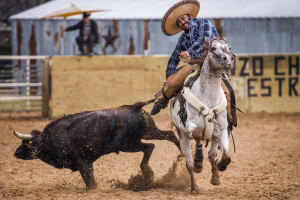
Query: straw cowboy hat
[168, 23]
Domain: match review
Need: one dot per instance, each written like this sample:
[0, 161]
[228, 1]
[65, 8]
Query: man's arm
[74, 27]
[209, 31]
[174, 59]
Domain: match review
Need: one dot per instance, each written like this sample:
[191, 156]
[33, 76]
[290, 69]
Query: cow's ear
[35, 132]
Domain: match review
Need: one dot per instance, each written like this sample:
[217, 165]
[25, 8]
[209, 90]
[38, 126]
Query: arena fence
[24, 83]
[262, 83]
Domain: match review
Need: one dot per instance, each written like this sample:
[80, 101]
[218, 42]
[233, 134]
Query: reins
[223, 64]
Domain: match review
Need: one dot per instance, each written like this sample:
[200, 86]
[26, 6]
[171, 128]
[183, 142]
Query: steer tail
[139, 105]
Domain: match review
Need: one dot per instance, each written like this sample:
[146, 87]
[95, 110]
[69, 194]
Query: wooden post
[45, 86]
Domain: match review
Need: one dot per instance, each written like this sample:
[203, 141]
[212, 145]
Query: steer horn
[22, 136]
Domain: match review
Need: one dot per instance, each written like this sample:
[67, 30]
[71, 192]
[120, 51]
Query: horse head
[219, 54]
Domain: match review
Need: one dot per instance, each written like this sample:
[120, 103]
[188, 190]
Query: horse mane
[205, 51]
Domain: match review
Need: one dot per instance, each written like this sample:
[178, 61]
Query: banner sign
[267, 82]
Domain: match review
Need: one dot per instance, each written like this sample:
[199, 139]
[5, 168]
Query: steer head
[28, 150]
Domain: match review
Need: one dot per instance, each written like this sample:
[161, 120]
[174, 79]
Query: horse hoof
[215, 181]
[193, 192]
[221, 167]
[198, 167]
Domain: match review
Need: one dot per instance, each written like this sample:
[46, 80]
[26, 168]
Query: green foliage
[20, 105]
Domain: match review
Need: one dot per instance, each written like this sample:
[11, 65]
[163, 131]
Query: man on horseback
[182, 16]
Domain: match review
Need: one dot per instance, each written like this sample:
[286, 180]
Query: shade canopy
[71, 10]
[155, 9]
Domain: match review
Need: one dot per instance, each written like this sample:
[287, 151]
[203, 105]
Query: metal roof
[155, 9]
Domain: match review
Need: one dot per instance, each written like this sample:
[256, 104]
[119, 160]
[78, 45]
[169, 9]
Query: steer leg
[212, 153]
[87, 172]
[146, 169]
[154, 133]
[147, 149]
[163, 135]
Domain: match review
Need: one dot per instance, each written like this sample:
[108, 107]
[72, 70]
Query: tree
[11, 7]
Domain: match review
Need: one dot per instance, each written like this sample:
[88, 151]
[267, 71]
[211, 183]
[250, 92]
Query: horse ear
[224, 38]
[206, 39]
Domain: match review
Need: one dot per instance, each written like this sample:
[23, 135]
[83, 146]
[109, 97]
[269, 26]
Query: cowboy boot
[161, 102]
[173, 84]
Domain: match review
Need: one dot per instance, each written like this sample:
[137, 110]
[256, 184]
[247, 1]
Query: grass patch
[20, 105]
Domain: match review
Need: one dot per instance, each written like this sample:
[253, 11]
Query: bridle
[221, 61]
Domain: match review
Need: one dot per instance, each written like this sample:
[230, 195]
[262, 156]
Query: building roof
[155, 9]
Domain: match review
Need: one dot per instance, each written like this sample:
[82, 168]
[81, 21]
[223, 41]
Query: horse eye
[213, 48]
[229, 47]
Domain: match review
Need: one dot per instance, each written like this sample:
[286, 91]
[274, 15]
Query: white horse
[206, 113]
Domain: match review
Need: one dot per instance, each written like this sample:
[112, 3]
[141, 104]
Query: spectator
[88, 34]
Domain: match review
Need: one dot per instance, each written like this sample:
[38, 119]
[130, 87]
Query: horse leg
[197, 135]
[185, 144]
[226, 159]
[212, 153]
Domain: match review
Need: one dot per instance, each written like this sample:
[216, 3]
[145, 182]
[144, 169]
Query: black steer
[76, 141]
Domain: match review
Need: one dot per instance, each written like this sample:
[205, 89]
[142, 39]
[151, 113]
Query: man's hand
[85, 38]
[185, 56]
[165, 83]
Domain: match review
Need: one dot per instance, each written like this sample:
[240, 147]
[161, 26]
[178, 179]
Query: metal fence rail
[22, 79]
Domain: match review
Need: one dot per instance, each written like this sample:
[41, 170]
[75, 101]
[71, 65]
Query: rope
[233, 141]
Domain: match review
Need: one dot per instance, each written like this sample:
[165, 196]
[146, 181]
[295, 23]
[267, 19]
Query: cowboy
[182, 17]
[88, 34]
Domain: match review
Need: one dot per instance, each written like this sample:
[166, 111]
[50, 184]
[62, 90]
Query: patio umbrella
[70, 11]
[67, 12]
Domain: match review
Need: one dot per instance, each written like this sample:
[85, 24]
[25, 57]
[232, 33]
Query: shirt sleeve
[207, 29]
[74, 27]
[174, 59]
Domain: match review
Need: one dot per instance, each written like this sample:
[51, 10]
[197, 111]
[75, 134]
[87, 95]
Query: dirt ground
[266, 165]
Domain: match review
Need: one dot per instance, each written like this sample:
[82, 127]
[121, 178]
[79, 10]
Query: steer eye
[28, 143]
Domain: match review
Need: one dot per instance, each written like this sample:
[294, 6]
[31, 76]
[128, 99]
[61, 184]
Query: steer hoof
[147, 172]
[198, 167]
[215, 180]
[92, 186]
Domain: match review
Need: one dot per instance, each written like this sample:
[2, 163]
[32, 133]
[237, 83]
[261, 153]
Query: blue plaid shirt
[192, 42]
